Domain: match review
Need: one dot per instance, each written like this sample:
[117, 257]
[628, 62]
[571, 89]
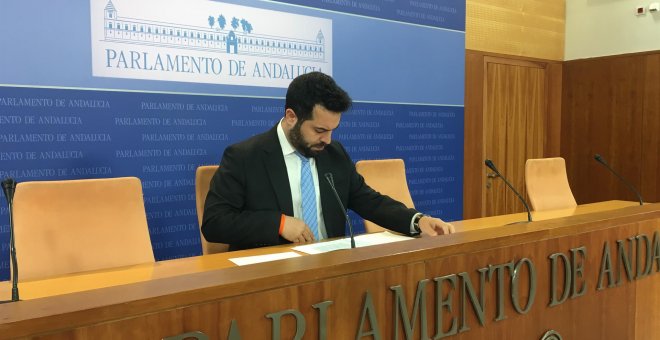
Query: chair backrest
[387, 176]
[202, 183]
[72, 226]
[547, 184]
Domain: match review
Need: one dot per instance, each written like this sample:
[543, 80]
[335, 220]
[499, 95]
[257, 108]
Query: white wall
[609, 27]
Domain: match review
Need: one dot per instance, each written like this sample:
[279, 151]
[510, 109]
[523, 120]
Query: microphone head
[490, 164]
[8, 189]
[328, 176]
[8, 183]
[600, 160]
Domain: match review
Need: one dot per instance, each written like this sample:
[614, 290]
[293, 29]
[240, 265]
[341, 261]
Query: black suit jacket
[250, 191]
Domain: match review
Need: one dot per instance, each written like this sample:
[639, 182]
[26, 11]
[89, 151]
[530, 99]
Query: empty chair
[202, 183]
[387, 176]
[547, 184]
[69, 226]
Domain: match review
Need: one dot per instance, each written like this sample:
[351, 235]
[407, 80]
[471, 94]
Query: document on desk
[363, 240]
[242, 261]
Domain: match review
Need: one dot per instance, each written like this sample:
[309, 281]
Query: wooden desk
[497, 221]
[125, 275]
[206, 293]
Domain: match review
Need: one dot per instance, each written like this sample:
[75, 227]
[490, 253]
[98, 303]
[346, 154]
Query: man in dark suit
[272, 188]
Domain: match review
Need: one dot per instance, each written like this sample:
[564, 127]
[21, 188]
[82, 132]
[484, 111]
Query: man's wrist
[415, 222]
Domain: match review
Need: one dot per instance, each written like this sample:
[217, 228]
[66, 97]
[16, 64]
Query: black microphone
[328, 176]
[600, 160]
[8, 188]
[490, 164]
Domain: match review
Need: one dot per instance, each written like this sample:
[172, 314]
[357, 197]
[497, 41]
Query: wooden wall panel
[514, 124]
[475, 71]
[610, 107]
[650, 189]
[552, 144]
[528, 28]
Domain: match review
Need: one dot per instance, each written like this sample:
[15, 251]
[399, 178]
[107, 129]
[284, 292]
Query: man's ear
[290, 117]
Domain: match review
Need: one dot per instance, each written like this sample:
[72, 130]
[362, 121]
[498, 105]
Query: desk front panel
[460, 286]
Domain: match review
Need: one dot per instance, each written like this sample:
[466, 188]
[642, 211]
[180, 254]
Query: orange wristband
[282, 219]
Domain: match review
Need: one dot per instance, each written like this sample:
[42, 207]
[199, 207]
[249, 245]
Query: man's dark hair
[313, 88]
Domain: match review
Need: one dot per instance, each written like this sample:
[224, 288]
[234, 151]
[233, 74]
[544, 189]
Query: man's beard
[299, 143]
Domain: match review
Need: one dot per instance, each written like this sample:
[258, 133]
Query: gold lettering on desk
[567, 280]
[515, 286]
[368, 309]
[443, 303]
[234, 332]
[577, 270]
[499, 270]
[643, 270]
[573, 271]
[323, 318]
[277, 317]
[467, 290]
[624, 256]
[606, 268]
[553, 278]
[188, 336]
[656, 251]
[419, 305]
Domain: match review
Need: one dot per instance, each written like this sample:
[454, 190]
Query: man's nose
[326, 137]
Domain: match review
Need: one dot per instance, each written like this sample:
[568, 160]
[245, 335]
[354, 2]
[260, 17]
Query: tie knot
[302, 158]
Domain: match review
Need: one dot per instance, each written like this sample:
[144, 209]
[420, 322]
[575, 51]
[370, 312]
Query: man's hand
[296, 231]
[432, 226]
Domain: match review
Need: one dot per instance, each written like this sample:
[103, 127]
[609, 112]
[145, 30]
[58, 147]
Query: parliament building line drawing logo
[219, 33]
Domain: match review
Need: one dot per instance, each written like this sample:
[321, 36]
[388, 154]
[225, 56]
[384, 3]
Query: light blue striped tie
[308, 196]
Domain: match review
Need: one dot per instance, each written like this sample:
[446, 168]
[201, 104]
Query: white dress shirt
[293, 166]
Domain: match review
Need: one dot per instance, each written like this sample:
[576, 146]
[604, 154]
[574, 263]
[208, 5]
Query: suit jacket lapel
[276, 170]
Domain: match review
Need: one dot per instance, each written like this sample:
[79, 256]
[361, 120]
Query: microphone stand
[600, 160]
[8, 187]
[491, 165]
[328, 176]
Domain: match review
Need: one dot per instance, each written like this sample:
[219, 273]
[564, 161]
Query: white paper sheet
[363, 240]
[242, 261]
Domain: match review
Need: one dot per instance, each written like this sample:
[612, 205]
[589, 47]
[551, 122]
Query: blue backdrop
[402, 62]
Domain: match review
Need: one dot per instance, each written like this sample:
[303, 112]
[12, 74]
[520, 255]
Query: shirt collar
[287, 148]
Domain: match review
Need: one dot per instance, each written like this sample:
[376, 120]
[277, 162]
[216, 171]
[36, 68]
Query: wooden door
[514, 128]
